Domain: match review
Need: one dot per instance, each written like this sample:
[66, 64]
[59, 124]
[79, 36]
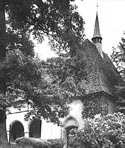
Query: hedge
[39, 143]
[33, 142]
[56, 143]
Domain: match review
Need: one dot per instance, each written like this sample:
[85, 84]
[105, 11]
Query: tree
[60, 82]
[65, 74]
[118, 57]
[55, 19]
[27, 80]
[10, 44]
[103, 131]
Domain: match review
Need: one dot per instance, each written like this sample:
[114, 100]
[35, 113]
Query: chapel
[100, 85]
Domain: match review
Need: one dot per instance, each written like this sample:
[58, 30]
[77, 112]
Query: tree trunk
[3, 134]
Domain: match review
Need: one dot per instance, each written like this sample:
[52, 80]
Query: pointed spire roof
[97, 28]
[97, 39]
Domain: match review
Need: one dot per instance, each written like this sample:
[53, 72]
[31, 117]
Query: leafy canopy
[56, 19]
[22, 74]
[22, 77]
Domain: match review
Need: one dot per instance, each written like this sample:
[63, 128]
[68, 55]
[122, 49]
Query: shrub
[101, 132]
[33, 142]
[56, 143]
[39, 143]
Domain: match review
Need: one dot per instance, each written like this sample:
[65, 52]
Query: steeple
[97, 35]
[97, 39]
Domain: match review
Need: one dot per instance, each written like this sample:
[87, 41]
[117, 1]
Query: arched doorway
[16, 130]
[35, 128]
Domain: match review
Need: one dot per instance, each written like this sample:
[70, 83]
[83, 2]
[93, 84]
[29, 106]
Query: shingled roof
[102, 76]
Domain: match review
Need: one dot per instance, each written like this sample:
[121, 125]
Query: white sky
[112, 23]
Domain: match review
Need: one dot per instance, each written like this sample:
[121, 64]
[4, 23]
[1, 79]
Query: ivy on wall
[95, 104]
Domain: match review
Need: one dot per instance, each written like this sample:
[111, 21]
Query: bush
[56, 143]
[39, 143]
[33, 142]
[101, 132]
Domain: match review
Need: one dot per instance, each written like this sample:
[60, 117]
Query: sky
[111, 15]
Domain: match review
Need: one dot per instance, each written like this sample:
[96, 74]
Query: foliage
[54, 18]
[21, 74]
[102, 131]
[118, 57]
[94, 104]
[34, 142]
[56, 143]
[19, 40]
[61, 81]
[15, 42]
[38, 18]
[66, 74]
[27, 81]
[39, 143]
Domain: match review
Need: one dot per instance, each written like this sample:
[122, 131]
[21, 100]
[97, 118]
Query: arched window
[35, 128]
[16, 130]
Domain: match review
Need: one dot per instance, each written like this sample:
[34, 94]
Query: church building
[99, 85]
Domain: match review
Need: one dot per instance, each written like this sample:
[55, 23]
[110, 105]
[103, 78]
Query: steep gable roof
[101, 73]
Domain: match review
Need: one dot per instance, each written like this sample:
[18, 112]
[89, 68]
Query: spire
[97, 39]
[97, 34]
[97, 28]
